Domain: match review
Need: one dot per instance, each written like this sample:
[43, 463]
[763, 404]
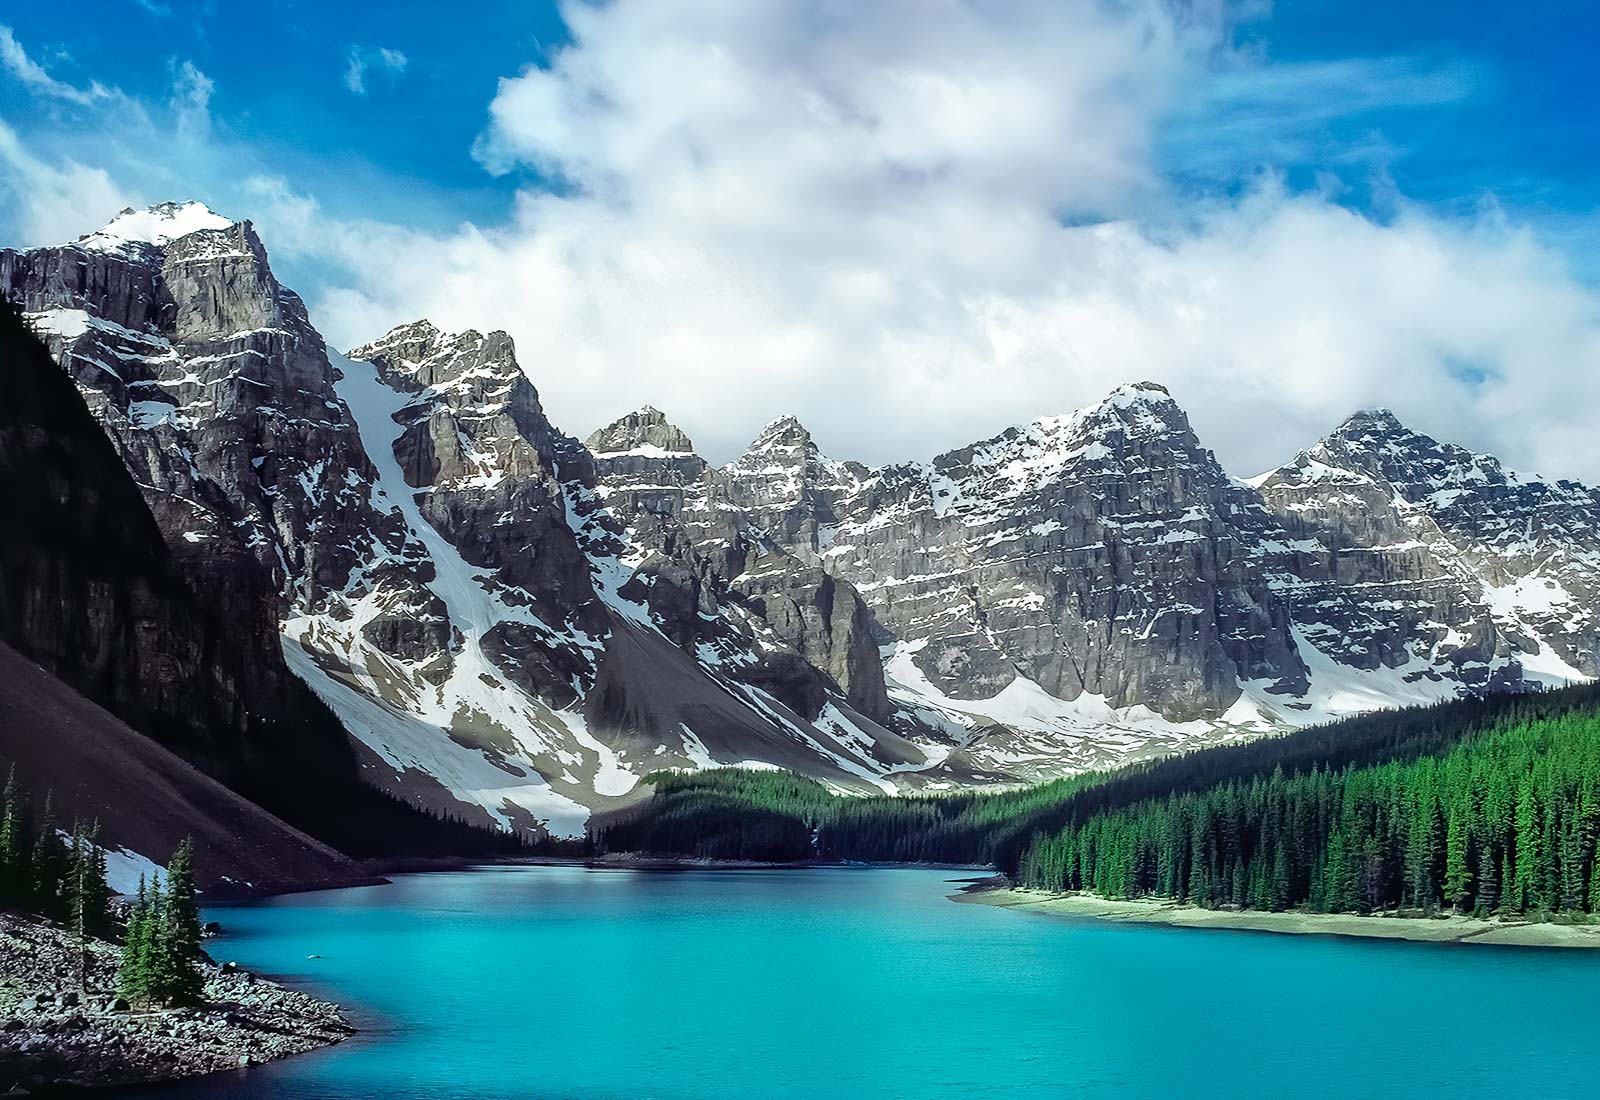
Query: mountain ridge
[520, 624]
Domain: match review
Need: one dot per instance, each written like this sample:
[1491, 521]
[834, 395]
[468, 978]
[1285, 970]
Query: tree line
[735, 813]
[44, 872]
[63, 878]
[1507, 822]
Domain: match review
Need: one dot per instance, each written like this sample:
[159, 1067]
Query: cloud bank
[912, 224]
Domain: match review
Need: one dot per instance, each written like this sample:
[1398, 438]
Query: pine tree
[86, 893]
[1510, 900]
[1422, 845]
[1530, 849]
[99, 895]
[15, 872]
[49, 863]
[1488, 882]
[133, 976]
[1457, 878]
[180, 981]
[1340, 876]
[1594, 888]
[1278, 883]
[77, 893]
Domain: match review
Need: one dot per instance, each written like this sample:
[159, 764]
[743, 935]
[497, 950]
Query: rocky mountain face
[518, 626]
[215, 390]
[710, 552]
[1092, 588]
[1055, 597]
[92, 595]
[121, 627]
[1493, 574]
[1104, 553]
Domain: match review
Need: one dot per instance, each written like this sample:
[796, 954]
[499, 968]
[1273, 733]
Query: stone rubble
[52, 1035]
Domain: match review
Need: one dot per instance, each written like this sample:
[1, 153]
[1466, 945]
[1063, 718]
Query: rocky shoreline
[54, 1036]
[1441, 929]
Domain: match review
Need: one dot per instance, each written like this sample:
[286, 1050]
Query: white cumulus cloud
[53, 201]
[913, 224]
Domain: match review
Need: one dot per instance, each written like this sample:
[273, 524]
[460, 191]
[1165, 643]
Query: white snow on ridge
[1530, 595]
[1050, 736]
[644, 450]
[156, 225]
[407, 742]
[420, 737]
[1340, 691]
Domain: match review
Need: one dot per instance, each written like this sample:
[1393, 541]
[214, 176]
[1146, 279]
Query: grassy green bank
[1441, 929]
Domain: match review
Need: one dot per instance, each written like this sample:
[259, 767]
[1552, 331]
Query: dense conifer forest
[1506, 822]
[732, 813]
[1480, 804]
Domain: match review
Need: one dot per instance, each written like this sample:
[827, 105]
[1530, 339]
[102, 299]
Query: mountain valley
[514, 627]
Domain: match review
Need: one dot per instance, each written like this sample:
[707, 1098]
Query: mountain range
[514, 626]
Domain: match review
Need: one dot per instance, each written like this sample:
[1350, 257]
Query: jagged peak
[420, 329]
[154, 226]
[1345, 455]
[1376, 418]
[409, 345]
[1146, 406]
[645, 432]
[781, 427]
[785, 446]
[1131, 420]
[1140, 391]
[1379, 429]
[1374, 444]
[411, 342]
[1143, 397]
[782, 435]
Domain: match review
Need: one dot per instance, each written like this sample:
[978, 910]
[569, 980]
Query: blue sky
[665, 202]
[280, 86]
[1455, 101]
[1510, 118]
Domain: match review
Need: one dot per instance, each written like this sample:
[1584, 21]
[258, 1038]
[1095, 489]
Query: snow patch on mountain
[125, 869]
[475, 692]
[1025, 731]
[156, 225]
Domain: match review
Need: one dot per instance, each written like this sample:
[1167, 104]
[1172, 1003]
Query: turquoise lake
[565, 982]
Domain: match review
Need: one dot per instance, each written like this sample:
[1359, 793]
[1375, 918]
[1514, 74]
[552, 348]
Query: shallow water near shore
[567, 982]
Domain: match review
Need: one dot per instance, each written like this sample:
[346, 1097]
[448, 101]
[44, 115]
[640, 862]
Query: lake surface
[564, 982]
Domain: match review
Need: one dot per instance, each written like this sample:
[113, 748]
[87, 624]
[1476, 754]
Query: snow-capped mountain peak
[1140, 406]
[156, 226]
[515, 624]
[1510, 562]
[429, 354]
[783, 440]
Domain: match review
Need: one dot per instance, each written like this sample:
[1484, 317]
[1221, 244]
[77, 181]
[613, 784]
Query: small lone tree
[100, 894]
[86, 893]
